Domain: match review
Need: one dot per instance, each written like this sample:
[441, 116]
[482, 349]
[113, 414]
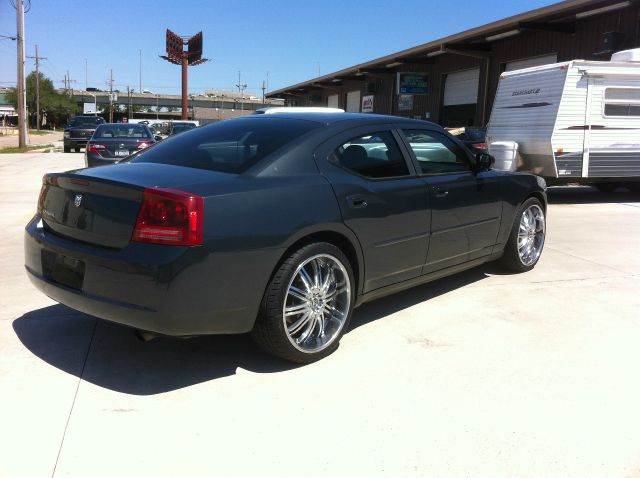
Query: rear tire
[67, 149]
[77, 149]
[307, 305]
[633, 187]
[527, 237]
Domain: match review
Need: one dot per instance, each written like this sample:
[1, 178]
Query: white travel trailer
[576, 121]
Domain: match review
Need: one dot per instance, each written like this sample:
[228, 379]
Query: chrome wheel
[317, 303]
[531, 235]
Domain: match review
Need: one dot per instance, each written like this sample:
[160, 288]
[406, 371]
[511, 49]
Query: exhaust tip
[144, 336]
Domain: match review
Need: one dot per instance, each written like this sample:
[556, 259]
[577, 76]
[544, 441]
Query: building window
[622, 102]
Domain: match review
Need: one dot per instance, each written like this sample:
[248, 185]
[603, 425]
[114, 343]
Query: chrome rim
[531, 235]
[317, 303]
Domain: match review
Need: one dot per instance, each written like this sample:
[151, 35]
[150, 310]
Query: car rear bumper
[168, 290]
[75, 142]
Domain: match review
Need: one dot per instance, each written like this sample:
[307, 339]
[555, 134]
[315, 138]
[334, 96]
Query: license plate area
[64, 270]
[121, 153]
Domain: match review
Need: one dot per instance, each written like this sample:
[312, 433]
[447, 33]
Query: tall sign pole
[177, 55]
[22, 88]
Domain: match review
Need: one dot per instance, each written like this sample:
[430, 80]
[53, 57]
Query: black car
[473, 138]
[181, 128]
[79, 130]
[278, 225]
[112, 142]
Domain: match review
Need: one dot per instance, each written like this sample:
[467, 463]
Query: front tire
[307, 305]
[527, 237]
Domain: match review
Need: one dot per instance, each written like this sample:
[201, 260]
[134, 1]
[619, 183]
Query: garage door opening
[460, 98]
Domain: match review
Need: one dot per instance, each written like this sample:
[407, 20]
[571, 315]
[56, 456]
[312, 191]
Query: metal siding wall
[582, 44]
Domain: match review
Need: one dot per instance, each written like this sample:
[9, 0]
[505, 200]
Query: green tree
[57, 107]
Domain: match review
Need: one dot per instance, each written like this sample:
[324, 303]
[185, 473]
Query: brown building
[453, 80]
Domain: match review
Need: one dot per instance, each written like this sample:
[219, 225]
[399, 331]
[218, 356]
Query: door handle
[441, 193]
[357, 201]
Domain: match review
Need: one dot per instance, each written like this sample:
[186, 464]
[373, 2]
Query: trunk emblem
[77, 200]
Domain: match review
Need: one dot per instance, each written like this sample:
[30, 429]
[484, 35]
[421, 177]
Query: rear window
[230, 146]
[121, 131]
[86, 121]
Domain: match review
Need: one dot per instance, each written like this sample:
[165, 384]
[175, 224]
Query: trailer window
[622, 102]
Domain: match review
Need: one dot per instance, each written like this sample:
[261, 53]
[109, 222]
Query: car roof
[330, 118]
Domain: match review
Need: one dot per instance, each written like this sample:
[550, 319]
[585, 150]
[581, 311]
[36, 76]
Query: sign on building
[412, 84]
[89, 108]
[367, 104]
[405, 102]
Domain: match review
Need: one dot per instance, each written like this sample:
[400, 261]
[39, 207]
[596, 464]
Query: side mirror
[158, 138]
[484, 161]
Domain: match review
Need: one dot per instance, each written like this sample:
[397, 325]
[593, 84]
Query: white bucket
[506, 155]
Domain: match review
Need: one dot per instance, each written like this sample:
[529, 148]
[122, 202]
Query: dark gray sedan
[278, 225]
[113, 142]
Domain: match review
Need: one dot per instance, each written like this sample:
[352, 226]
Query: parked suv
[79, 130]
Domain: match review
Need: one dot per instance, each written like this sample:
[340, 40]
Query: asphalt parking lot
[481, 374]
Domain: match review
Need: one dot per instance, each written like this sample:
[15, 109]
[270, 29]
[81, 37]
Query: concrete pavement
[483, 374]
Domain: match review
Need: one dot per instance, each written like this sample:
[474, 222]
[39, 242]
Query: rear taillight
[169, 216]
[143, 144]
[95, 148]
[480, 145]
[43, 193]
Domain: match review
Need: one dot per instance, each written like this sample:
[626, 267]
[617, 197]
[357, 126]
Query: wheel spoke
[298, 324]
[311, 324]
[317, 274]
[297, 293]
[308, 282]
[295, 309]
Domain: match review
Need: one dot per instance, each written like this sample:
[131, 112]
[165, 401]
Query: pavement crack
[587, 260]
[75, 395]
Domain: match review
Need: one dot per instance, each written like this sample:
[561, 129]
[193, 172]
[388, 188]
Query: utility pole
[129, 101]
[85, 75]
[140, 90]
[37, 58]
[263, 88]
[241, 88]
[22, 87]
[111, 96]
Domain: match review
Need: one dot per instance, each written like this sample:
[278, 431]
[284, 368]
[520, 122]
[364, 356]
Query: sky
[283, 41]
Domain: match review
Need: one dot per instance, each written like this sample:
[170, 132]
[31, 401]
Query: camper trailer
[576, 121]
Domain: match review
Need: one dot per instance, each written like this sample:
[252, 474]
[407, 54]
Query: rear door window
[375, 155]
[230, 146]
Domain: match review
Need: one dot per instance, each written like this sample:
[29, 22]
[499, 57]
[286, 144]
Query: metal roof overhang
[557, 17]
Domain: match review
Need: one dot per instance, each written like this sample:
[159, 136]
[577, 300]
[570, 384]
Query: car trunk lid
[100, 205]
[120, 147]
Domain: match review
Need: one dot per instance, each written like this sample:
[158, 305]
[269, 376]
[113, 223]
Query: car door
[381, 199]
[466, 208]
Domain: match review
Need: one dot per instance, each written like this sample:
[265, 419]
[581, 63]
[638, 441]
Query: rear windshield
[179, 128]
[230, 146]
[107, 131]
[86, 121]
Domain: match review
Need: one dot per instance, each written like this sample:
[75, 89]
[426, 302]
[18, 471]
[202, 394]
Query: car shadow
[117, 360]
[379, 308]
[589, 195]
